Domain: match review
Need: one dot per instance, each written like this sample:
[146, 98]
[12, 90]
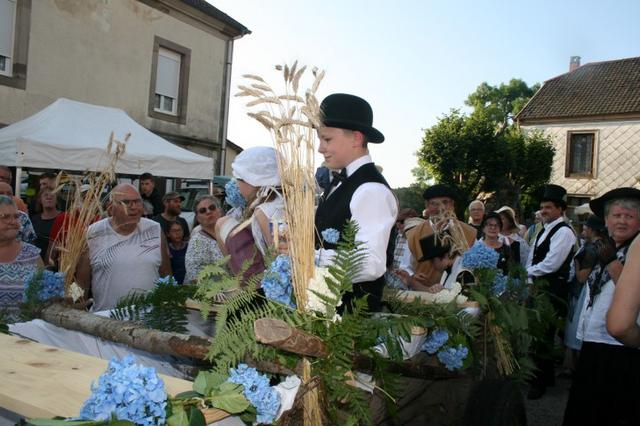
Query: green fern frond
[163, 308]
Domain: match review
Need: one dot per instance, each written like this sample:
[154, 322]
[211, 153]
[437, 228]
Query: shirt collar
[548, 226]
[357, 163]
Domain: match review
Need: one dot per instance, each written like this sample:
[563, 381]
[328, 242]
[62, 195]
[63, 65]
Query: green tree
[501, 103]
[410, 197]
[483, 151]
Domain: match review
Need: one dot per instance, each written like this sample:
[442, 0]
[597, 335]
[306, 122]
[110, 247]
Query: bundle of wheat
[291, 120]
[83, 207]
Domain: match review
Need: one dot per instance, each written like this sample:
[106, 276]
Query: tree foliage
[501, 103]
[483, 151]
[410, 197]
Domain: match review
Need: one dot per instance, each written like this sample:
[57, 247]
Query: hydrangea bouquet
[41, 287]
[507, 316]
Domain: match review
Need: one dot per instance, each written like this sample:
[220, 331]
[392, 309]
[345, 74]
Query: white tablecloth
[49, 334]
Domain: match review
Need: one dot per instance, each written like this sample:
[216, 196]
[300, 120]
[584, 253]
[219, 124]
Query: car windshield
[190, 195]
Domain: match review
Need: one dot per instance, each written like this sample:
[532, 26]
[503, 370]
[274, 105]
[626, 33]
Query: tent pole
[18, 181]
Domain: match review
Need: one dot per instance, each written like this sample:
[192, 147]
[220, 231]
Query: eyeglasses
[211, 208]
[131, 203]
[8, 217]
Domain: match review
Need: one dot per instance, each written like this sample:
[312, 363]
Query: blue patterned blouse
[12, 279]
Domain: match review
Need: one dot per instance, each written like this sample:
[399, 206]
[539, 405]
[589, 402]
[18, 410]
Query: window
[15, 26]
[169, 81]
[580, 153]
[7, 33]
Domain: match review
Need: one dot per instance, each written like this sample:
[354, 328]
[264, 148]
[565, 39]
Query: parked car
[194, 189]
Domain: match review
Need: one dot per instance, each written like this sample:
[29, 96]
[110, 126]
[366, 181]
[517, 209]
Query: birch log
[130, 334]
[281, 335]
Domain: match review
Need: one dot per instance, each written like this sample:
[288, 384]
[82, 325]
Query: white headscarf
[258, 166]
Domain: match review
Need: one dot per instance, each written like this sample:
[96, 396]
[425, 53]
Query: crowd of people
[592, 278]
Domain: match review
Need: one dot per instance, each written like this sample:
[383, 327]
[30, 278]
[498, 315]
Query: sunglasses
[211, 208]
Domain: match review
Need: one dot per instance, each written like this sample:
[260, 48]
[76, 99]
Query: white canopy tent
[71, 135]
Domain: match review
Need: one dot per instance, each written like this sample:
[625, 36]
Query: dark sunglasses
[211, 208]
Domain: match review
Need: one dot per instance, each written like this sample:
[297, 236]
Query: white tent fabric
[71, 135]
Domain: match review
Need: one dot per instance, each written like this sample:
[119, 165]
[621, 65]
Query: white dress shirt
[561, 244]
[374, 208]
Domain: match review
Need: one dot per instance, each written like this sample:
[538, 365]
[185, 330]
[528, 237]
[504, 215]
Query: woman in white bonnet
[256, 170]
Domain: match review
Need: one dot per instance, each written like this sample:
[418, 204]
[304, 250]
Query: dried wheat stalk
[448, 232]
[291, 119]
[83, 208]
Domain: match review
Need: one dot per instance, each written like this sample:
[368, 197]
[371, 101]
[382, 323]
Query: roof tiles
[594, 89]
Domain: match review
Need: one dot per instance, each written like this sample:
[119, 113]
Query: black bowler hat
[597, 205]
[439, 190]
[431, 248]
[555, 193]
[350, 112]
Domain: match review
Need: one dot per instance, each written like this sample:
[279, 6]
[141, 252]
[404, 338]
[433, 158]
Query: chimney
[574, 63]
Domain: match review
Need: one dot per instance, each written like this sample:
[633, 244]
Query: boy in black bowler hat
[358, 192]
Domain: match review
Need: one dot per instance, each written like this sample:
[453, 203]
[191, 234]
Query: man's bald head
[123, 190]
[125, 208]
[5, 189]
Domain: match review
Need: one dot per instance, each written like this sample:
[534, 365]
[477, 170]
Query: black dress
[509, 254]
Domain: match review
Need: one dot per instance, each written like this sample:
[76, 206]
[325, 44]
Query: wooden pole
[281, 335]
[268, 331]
[130, 334]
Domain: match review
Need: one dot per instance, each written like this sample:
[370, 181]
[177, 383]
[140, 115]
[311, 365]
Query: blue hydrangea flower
[435, 340]
[330, 235]
[233, 197]
[499, 284]
[453, 358]
[276, 282]
[130, 391]
[169, 280]
[51, 285]
[263, 397]
[480, 256]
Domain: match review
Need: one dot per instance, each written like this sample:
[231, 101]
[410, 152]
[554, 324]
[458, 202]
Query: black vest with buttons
[557, 280]
[334, 212]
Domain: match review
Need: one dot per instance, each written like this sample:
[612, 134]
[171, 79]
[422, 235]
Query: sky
[414, 61]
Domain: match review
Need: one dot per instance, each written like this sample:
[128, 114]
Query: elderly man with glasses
[126, 251]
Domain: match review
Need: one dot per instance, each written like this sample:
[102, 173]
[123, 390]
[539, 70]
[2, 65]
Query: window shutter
[7, 15]
[168, 75]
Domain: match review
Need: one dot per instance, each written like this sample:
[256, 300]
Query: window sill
[579, 176]
[167, 117]
[15, 81]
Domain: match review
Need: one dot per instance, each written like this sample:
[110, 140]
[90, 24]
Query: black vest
[557, 280]
[334, 212]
